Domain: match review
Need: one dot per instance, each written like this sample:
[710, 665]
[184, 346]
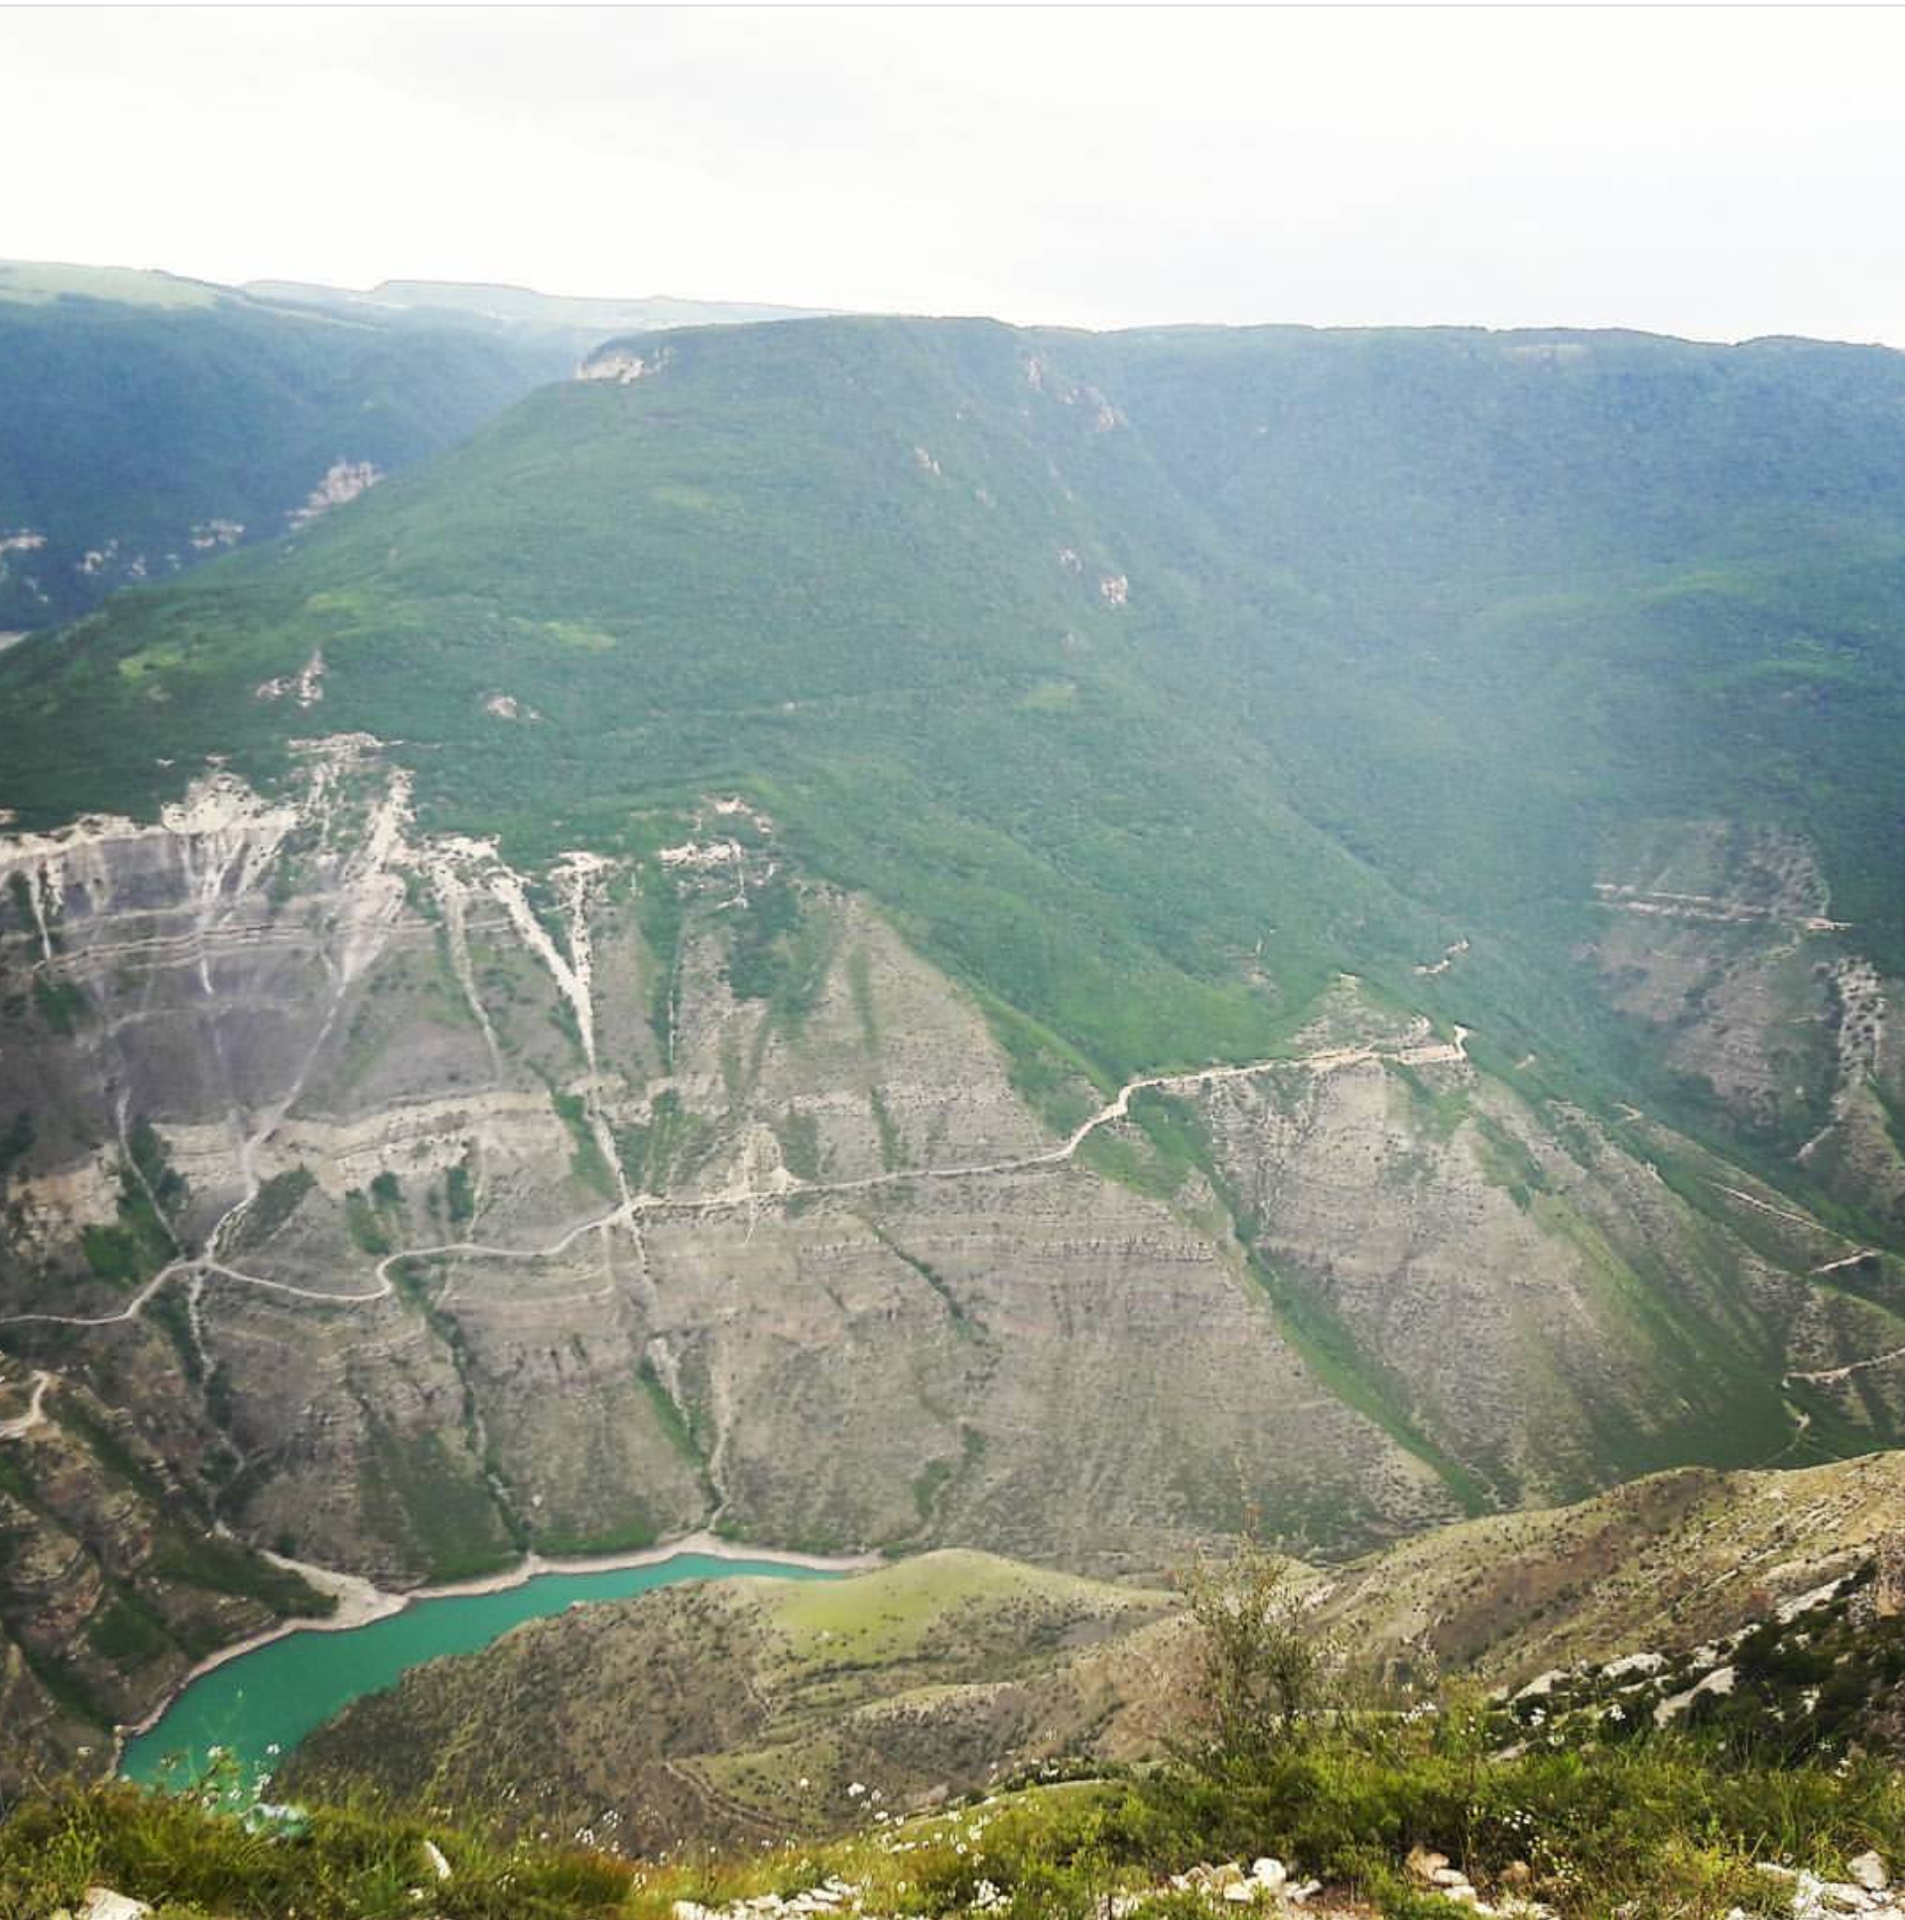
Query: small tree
[1264, 1673]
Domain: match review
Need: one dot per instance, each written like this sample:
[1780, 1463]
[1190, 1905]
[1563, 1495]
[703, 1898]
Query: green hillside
[759, 1704]
[747, 572]
[958, 1735]
[1148, 677]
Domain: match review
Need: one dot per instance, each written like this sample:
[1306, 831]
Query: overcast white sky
[1708, 171]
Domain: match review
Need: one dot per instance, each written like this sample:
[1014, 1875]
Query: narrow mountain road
[1780, 1213]
[782, 1187]
[787, 1186]
[130, 1311]
[1850, 1260]
[218, 1270]
[199, 1269]
[1707, 906]
[35, 1415]
[1830, 1376]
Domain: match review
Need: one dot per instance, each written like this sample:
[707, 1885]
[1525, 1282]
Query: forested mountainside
[148, 423]
[153, 422]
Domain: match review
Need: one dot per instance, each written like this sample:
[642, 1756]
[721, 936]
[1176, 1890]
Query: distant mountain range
[578, 323]
[152, 421]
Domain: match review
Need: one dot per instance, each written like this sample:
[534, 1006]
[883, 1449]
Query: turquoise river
[259, 1705]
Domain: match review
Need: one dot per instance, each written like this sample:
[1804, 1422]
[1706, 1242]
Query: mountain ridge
[578, 320]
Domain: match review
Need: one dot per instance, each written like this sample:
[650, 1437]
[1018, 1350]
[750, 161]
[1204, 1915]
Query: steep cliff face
[467, 1209]
[115, 1575]
[1720, 940]
[1547, 1297]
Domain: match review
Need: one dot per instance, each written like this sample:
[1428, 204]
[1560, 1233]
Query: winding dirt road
[747, 1196]
[34, 1416]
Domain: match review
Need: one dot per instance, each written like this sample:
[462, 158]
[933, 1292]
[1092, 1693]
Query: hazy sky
[1709, 171]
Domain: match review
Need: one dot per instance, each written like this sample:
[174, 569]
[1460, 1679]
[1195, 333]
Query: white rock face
[306, 686]
[1633, 1666]
[1040, 377]
[344, 480]
[1720, 1680]
[621, 366]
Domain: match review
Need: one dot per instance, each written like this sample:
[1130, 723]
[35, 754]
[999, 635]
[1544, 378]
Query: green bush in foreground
[189, 1859]
[1659, 1822]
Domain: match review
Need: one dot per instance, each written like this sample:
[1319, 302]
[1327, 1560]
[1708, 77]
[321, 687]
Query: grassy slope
[1662, 1562]
[1673, 1824]
[1660, 1830]
[754, 1705]
[944, 1667]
